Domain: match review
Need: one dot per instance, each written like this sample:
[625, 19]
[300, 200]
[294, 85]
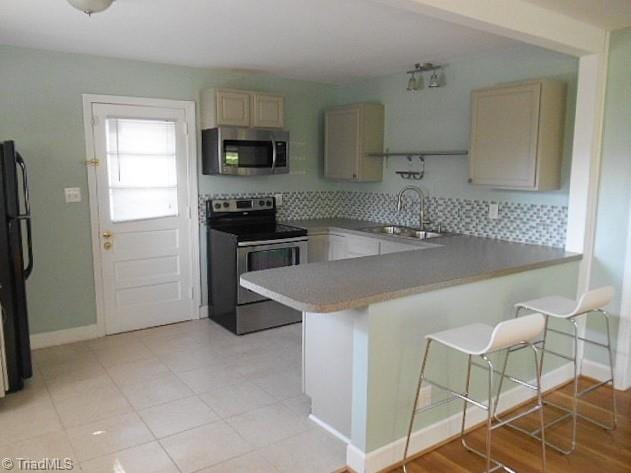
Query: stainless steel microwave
[245, 151]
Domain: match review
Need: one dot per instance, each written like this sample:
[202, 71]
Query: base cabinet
[337, 246]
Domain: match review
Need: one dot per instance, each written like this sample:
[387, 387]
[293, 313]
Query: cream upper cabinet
[243, 108]
[268, 111]
[351, 134]
[225, 107]
[517, 135]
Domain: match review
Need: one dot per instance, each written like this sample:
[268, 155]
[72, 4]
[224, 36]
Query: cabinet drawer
[358, 246]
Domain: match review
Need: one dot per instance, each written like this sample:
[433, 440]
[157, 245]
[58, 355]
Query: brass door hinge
[92, 162]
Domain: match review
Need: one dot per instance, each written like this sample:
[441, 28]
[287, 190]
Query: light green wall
[440, 119]
[615, 180]
[41, 109]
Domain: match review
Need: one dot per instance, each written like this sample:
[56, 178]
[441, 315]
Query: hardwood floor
[597, 450]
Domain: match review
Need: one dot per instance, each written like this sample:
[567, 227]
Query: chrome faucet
[421, 195]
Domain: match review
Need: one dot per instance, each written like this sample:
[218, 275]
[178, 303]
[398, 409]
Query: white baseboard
[60, 337]
[203, 312]
[377, 460]
[595, 370]
[329, 429]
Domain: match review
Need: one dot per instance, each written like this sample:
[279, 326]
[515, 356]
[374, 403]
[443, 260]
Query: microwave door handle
[273, 155]
[26, 216]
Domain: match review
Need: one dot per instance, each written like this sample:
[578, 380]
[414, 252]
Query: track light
[435, 80]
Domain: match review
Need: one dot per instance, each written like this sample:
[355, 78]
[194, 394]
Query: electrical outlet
[279, 200]
[72, 194]
[424, 397]
[494, 211]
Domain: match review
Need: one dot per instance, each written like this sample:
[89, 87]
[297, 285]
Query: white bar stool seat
[482, 340]
[562, 308]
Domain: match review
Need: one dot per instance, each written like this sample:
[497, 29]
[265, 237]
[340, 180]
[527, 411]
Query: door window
[141, 162]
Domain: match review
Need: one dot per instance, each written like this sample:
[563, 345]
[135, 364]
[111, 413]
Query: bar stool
[482, 340]
[561, 308]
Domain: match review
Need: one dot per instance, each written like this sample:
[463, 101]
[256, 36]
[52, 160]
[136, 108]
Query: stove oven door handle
[284, 242]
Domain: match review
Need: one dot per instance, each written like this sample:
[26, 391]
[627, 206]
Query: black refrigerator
[16, 265]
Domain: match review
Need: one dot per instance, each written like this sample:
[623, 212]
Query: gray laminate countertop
[446, 261]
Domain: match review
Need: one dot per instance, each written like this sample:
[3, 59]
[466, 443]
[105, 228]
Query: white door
[144, 219]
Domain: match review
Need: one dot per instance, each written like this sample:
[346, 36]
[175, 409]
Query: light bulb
[420, 82]
[91, 6]
[411, 83]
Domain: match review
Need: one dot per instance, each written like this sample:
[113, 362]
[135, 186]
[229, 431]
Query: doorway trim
[189, 110]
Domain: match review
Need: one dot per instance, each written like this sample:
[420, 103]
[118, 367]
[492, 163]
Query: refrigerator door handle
[26, 216]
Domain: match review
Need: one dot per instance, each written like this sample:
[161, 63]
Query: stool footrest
[512, 378]
[442, 402]
[456, 394]
[582, 339]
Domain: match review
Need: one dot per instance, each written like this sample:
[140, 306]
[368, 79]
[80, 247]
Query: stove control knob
[226, 205]
[217, 205]
[269, 202]
[261, 203]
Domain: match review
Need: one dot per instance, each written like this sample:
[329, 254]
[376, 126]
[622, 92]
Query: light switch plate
[72, 194]
[279, 200]
[494, 211]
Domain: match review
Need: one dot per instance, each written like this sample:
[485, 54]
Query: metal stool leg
[576, 379]
[465, 403]
[414, 406]
[614, 405]
[573, 411]
[489, 417]
[542, 424]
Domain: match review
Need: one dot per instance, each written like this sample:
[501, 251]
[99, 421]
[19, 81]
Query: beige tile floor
[188, 397]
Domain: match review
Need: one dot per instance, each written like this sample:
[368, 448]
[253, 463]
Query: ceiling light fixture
[436, 79]
[91, 6]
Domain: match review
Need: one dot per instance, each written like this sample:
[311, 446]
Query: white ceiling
[606, 14]
[321, 40]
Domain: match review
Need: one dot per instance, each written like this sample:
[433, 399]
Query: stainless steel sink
[405, 232]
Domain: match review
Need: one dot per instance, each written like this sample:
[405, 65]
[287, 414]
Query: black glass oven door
[248, 154]
[267, 256]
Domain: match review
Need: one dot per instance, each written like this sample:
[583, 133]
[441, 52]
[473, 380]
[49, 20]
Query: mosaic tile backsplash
[527, 223]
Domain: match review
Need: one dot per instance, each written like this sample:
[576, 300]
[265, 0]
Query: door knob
[107, 234]
[107, 245]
